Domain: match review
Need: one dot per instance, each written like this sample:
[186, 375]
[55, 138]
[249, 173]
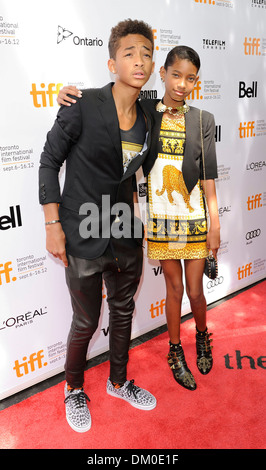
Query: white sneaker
[77, 412]
[136, 396]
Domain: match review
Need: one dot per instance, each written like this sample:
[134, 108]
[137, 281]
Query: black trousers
[120, 267]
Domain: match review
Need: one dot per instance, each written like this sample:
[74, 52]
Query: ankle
[69, 388]
[201, 332]
[117, 384]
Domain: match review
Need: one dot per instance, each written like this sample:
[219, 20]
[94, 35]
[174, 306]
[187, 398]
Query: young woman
[178, 180]
[176, 221]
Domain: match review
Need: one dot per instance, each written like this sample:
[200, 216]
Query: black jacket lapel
[108, 112]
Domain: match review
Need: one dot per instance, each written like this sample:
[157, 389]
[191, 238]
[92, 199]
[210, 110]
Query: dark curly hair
[123, 28]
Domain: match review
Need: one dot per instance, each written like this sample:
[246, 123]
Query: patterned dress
[176, 220]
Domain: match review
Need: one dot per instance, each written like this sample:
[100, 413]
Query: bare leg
[194, 274]
[172, 270]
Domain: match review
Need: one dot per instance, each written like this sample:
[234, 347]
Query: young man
[104, 140]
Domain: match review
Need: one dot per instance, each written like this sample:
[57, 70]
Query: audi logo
[215, 282]
[253, 234]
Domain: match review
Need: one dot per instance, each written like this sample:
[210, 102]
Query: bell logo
[254, 202]
[5, 270]
[251, 46]
[244, 271]
[158, 309]
[246, 129]
[28, 365]
[195, 94]
[53, 89]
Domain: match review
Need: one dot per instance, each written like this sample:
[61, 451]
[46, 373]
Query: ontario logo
[63, 34]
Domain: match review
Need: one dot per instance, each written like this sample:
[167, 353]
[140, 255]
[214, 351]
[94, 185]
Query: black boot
[177, 362]
[204, 351]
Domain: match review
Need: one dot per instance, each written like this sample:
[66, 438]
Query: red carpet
[227, 411]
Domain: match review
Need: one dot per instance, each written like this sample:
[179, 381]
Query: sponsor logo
[258, 3]
[245, 271]
[157, 309]
[12, 220]
[63, 34]
[254, 202]
[215, 282]
[166, 38]
[252, 46]
[246, 129]
[27, 365]
[51, 92]
[215, 44]
[248, 92]
[224, 210]
[5, 270]
[253, 234]
[218, 3]
[256, 166]
[24, 319]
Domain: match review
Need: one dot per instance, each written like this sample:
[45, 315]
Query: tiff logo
[6, 269]
[245, 271]
[195, 94]
[53, 90]
[251, 46]
[246, 129]
[28, 365]
[254, 202]
[158, 309]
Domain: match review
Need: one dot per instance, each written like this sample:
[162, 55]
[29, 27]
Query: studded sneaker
[77, 412]
[136, 396]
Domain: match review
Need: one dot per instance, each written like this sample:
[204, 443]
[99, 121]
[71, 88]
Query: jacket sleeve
[210, 159]
[60, 139]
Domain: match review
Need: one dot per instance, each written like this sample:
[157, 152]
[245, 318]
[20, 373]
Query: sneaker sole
[135, 405]
[77, 429]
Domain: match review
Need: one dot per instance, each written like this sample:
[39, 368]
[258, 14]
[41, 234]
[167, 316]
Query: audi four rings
[253, 234]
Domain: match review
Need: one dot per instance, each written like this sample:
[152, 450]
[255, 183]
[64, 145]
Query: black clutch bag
[211, 267]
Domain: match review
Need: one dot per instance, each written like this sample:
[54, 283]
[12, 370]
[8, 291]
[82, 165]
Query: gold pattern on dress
[176, 230]
[173, 181]
[170, 250]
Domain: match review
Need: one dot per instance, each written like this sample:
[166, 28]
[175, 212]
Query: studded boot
[204, 351]
[177, 362]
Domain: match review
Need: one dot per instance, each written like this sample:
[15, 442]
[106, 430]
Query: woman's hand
[63, 97]
[213, 241]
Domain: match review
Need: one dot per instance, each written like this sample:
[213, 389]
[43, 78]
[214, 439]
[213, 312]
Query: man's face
[133, 63]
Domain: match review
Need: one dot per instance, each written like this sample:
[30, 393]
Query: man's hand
[56, 242]
[63, 97]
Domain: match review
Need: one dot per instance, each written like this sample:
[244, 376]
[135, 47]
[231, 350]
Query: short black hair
[184, 53]
[123, 28]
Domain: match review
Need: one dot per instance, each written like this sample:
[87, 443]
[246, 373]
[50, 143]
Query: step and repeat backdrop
[45, 45]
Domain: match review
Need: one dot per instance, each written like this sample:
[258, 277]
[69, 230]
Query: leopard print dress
[176, 219]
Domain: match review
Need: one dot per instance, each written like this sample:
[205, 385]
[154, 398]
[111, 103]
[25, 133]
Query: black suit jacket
[87, 136]
[192, 162]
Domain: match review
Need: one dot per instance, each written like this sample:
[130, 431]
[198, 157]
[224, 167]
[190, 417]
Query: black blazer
[192, 162]
[87, 136]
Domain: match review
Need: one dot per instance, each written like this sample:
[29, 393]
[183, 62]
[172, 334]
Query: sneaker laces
[79, 399]
[132, 389]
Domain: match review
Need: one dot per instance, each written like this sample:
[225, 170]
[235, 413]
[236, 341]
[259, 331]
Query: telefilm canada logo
[213, 44]
[63, 34]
